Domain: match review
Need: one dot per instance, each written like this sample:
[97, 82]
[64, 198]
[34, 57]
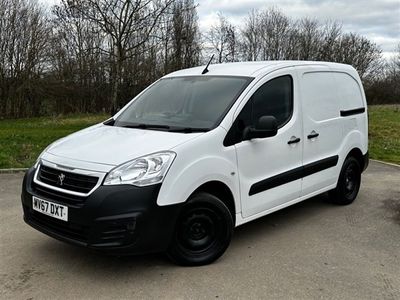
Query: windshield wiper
[166, 127]
[188, 129]
[146, 126]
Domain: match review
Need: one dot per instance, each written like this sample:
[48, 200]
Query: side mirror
[267, 126]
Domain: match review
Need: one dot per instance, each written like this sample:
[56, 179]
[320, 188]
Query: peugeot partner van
[199, 152]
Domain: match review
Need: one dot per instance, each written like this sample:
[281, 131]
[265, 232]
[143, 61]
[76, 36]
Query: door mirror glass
[266, 126]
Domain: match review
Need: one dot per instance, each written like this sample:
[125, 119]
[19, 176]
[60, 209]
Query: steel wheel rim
[199, 229]
[351, 180]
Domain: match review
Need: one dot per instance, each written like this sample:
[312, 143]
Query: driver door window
[274, 98]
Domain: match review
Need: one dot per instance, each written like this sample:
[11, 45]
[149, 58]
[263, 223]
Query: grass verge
[384, 132]
[22, 140]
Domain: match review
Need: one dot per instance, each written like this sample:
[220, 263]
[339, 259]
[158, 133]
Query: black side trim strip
[293, 174]
[320, 165]
[276, 180]
[350, 112]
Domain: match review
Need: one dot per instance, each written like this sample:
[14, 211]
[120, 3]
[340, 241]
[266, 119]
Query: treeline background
[95, 55]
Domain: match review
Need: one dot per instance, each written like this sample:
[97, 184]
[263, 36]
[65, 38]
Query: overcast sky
[378, 20]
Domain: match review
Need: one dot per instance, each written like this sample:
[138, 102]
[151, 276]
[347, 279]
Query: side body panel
[325, 94]
[322, 130]
[352, 97]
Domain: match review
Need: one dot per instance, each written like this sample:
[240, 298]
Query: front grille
[67, 180]
[62, 228]
[52, 195]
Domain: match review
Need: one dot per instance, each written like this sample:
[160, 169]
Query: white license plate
[51, 209]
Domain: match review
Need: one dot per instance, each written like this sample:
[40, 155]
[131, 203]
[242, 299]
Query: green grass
[384, 132]
[21, 141]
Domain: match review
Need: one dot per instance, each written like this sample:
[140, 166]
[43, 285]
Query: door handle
[293, 140]
[312, 135]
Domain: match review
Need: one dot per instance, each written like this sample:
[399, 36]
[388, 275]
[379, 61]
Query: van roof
[254, 68]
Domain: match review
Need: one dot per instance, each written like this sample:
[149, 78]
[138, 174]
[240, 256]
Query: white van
[200, 152]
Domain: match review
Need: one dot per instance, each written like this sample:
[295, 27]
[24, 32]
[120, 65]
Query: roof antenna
[206, 68]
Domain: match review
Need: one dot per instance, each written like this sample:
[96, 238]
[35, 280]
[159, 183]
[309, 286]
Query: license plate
[51, 209]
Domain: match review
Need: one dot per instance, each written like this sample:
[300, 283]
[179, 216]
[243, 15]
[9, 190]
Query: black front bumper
[118, 219]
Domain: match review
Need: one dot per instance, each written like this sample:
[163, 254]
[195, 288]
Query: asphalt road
[308, 251]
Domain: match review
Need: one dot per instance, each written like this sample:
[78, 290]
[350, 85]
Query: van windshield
[193, 103]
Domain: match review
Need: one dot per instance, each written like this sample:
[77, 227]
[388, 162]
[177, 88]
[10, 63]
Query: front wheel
[203, 231]
[348, 184]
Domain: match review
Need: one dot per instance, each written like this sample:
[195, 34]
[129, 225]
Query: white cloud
[378, 20]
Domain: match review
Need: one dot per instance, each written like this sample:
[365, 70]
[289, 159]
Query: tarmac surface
[312, 250]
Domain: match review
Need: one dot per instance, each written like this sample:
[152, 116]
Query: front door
[266, 165]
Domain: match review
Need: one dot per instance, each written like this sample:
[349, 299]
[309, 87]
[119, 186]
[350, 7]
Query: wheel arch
[222, 192]
[357, 154]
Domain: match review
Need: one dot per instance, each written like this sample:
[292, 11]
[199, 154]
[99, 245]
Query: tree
[250, 44]
[384, 87]
[270, 35]
[77, 61]
[331, 33]
[23, 47]
[222, 40]
[357, 51]
[274, 29]
[308, 39]
[127, 24]
[184, 36]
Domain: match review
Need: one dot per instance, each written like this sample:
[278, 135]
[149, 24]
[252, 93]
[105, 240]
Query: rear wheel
[348, 183]
[203, 231]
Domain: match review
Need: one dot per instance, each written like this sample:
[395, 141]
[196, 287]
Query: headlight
[145, 170]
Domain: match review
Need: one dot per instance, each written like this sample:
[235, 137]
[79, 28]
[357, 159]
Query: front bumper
[121, 219]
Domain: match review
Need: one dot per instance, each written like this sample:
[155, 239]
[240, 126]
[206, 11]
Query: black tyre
[203, 231]
[348, 183]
